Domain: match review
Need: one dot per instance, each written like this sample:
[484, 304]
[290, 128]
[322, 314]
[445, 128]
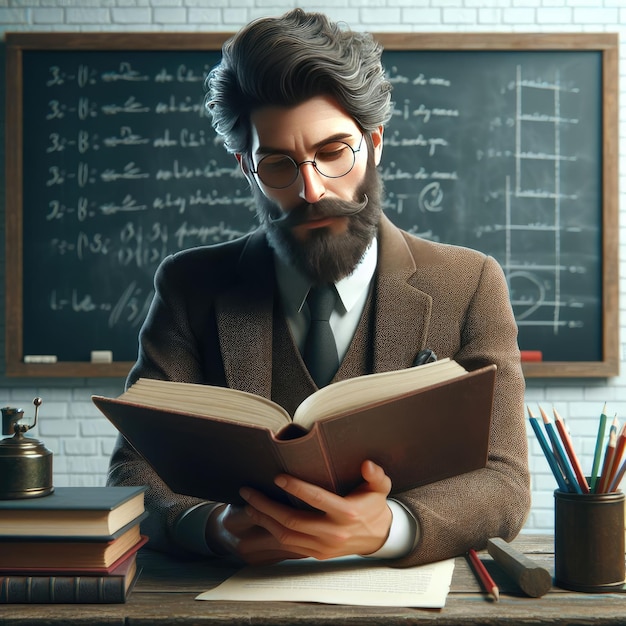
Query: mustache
[318, 210]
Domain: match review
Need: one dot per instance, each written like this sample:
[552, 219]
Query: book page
[349, 580]
[348, 394]
[208, 401]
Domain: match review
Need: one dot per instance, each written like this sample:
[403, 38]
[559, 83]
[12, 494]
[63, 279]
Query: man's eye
[332, 152]
[277, 163]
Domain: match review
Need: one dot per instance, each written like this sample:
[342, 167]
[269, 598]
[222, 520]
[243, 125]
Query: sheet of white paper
[340, 581]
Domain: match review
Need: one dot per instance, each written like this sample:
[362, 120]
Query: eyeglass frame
[312, 161]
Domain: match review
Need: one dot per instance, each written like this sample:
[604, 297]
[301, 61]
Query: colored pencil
[598, 451]
[483, 575]
[547, 452]
[620, 446]
[569, 448]
[618, 477]
[560, 455]
[602, 484]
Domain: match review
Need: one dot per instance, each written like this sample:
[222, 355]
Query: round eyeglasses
[333, 160]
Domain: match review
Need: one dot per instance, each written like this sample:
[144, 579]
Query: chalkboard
[504, 143]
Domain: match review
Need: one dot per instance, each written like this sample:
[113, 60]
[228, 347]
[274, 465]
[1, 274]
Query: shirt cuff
[403, 535]
[190, 528]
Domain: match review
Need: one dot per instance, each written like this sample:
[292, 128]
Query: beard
[323, 256]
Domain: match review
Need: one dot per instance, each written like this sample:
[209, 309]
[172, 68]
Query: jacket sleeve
[166, 351]
[462, 512]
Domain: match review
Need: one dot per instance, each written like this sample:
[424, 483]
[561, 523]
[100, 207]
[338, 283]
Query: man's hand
[267, 530]
[230, 530]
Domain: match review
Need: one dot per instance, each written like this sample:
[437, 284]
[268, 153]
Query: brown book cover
[78, 554]
[72, 587]
[74, 570]
[419, 435]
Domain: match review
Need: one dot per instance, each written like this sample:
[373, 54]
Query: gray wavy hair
[287, 60]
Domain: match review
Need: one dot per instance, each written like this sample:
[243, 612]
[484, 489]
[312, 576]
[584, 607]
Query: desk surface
[165, 592]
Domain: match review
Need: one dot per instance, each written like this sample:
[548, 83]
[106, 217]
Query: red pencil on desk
[483, 575]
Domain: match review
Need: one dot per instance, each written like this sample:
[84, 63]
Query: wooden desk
[166, 590]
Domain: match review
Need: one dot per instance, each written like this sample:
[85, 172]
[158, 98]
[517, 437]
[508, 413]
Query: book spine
[61, 590]
[306, 458]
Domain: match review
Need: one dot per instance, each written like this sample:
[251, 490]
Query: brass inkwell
[25, 463]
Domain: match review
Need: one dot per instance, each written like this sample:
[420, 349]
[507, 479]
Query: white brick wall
[70, 426]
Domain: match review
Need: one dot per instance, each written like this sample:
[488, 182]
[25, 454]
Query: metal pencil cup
[589, 541]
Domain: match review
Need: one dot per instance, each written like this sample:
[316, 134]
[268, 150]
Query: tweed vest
[291, 381]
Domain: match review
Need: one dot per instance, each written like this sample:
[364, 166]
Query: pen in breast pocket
[425, 356]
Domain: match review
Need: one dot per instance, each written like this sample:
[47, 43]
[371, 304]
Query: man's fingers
[316, 497]
[374, 475]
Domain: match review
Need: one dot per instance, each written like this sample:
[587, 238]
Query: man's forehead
[307, 124]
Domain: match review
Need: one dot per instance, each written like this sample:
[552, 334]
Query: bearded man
[302, 104]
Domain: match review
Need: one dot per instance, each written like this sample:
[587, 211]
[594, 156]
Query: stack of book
[76, 545]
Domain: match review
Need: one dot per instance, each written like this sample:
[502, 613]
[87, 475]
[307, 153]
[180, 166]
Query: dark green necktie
[320, 349]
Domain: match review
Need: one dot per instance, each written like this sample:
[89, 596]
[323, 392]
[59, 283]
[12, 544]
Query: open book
[420, 424]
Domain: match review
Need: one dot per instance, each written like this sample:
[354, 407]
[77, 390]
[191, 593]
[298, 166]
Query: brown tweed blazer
[211, 322]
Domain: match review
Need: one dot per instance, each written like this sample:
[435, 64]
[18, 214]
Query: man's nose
[312, 187]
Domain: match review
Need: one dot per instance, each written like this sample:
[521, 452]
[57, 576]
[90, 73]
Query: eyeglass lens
[333, 160]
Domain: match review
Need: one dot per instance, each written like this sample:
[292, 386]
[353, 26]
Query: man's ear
[377, 142]
[243, 165]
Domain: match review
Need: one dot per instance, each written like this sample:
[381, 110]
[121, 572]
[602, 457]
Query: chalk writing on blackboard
[138, 172]
[496, 150]
[127, 171]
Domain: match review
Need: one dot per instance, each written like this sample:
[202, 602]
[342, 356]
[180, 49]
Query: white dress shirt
[352, 290]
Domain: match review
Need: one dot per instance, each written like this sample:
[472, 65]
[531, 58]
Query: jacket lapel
[244, 313]
[402, 310]
[244, 320]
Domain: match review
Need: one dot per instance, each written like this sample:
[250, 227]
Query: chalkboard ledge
[69, 369]
[120, 369]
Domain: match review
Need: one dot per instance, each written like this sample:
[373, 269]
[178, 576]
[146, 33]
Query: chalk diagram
[504, 156]
[536, 288]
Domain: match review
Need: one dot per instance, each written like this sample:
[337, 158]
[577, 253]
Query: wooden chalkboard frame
[16, 43]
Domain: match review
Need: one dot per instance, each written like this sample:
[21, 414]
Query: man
[302, 104]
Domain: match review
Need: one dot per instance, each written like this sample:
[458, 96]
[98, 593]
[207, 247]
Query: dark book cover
[72, 511]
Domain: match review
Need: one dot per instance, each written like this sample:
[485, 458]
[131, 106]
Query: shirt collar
[294, 286]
